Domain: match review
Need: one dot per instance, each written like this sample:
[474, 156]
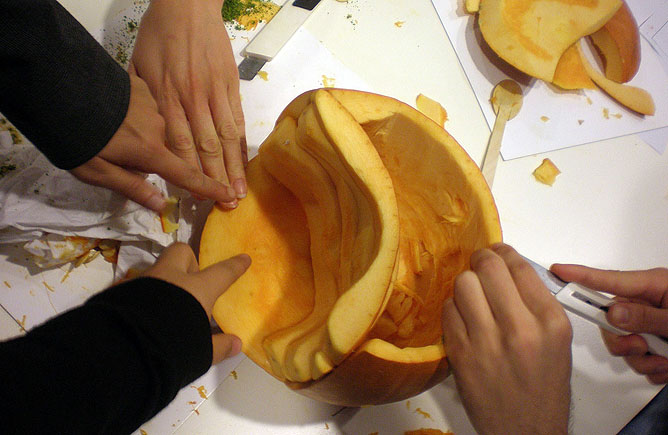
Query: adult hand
[509, 346]
[642, 306]
[138, 146]
[177, 265]
[184, 54]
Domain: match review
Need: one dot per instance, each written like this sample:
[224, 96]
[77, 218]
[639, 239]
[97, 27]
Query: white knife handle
[587, 304]
[273, 36]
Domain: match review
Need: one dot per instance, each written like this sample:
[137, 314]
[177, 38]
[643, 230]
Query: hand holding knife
[592, 306]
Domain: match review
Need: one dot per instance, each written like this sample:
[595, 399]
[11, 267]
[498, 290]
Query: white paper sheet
[552, 119]
[36, 198]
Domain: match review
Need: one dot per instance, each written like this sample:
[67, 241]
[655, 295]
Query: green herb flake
[6, 168]
[233, 9]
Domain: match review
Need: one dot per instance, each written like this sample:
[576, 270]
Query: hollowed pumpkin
[360, 213]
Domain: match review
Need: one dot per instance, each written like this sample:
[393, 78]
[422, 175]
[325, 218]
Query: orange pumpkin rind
[413, 205]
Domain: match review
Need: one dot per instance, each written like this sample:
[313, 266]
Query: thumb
[639, 318]
[224, 346]
[221, 275]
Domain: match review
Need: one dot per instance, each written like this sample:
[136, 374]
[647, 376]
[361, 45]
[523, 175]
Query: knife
[273, 36]
[591, 305]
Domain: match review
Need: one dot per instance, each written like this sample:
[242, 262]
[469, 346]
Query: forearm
[107, 366]
[57, 84]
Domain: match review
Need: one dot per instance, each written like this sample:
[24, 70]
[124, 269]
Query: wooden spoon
[507, 102]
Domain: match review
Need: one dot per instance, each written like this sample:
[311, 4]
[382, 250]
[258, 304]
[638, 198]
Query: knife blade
[592, 306]
[274, 35]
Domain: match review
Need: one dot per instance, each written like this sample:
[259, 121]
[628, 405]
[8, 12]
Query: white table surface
[608, 208]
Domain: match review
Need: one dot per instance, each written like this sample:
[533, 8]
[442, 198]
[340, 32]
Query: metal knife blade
[592, 306]
[274, 35]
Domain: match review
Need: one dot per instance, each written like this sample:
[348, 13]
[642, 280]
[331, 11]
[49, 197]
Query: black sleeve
[58, 86]
[107, 366]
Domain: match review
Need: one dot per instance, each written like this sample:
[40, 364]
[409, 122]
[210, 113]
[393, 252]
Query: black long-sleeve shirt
[111, 364]
[107, 366]
[58, 86]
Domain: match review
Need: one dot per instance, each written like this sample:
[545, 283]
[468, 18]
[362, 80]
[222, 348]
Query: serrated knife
[274, 35]
[592, 306]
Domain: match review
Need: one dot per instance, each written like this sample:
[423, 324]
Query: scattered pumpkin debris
[581, 121]
[169, 216]
[264, 75]
[606, 113]
[201, 390]
[399, 23]
[547, 172]
[432, 109]
[328, 82]
[234, 374]
[423, 413]
[544, 118]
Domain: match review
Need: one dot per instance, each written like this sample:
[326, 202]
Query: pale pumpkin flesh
[309, 349]
[282, 157]
[570, 73]
[532, 35]
[445, 211]
[269, 225]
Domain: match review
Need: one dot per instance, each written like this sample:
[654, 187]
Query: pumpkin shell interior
[445, 212]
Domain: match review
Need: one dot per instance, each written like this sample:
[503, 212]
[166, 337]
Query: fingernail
[240, 188]
[231, 192]
[619, 315]
[156, 202]
[230, 205]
